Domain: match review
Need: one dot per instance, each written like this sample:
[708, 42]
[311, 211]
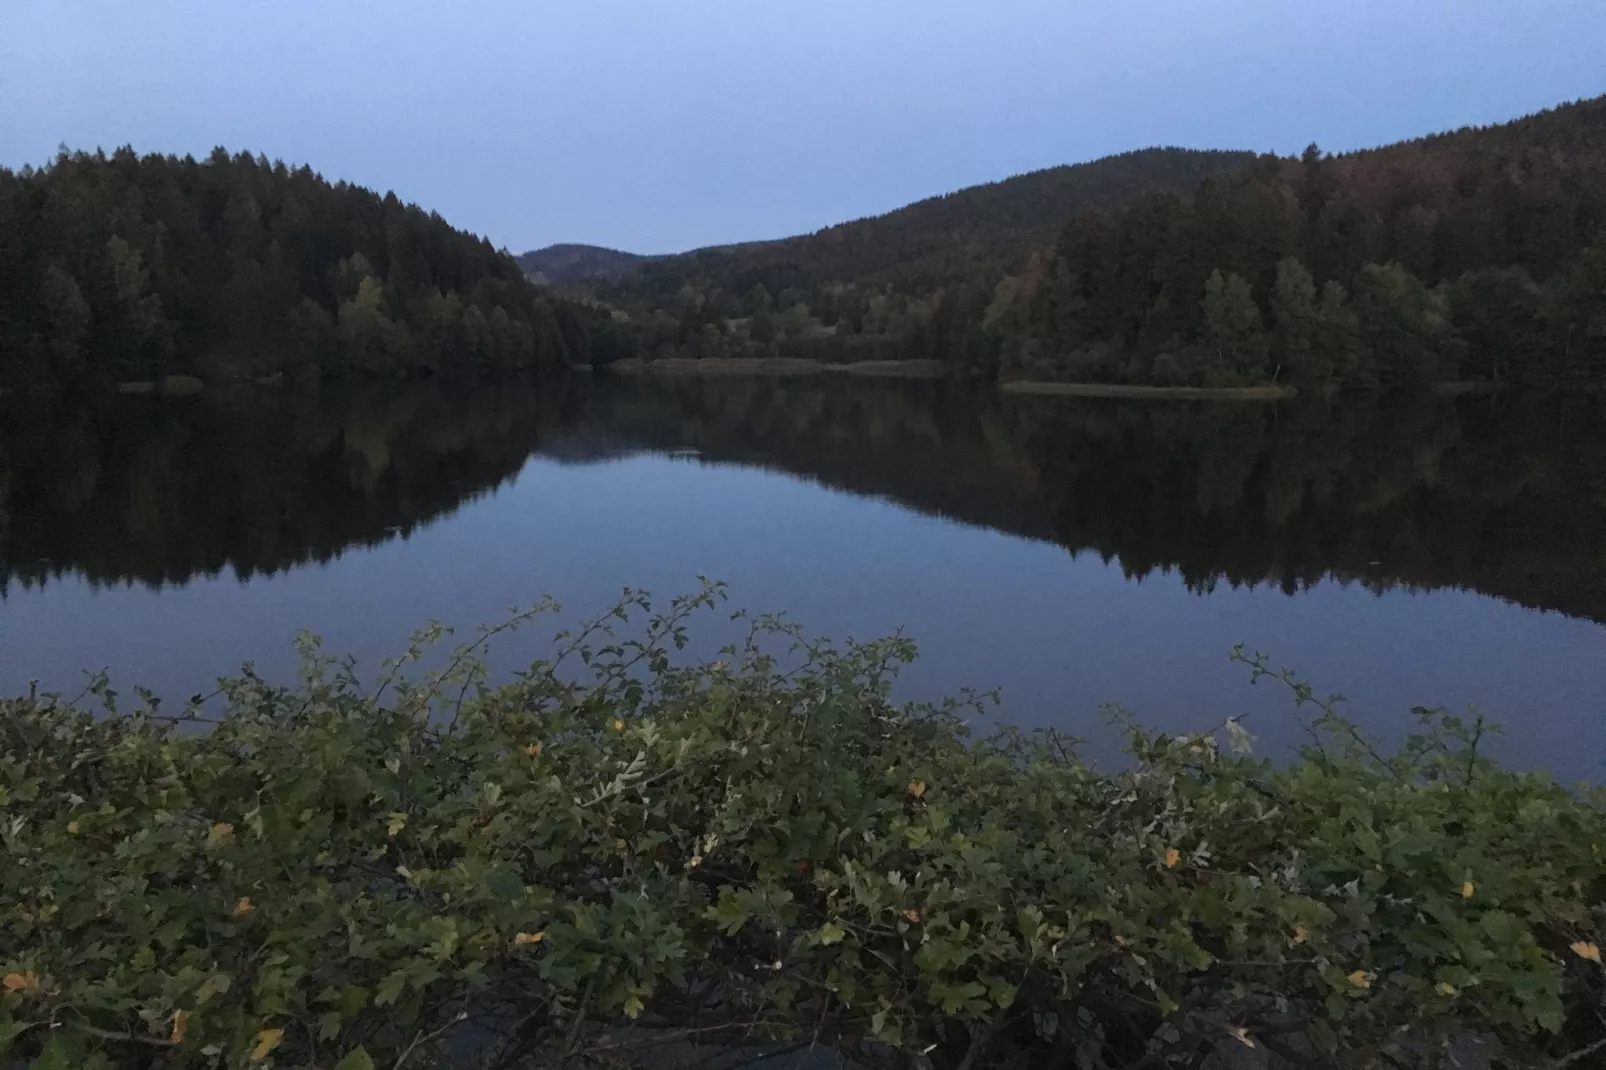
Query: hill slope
[1479, 253]
[558, 264]
[123, 267]
[982, 227]
[997, 219]
[1472, 254]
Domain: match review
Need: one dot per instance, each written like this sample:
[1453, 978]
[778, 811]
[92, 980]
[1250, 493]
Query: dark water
[1072, 554]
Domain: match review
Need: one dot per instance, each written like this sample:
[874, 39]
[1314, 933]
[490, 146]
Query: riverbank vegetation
[1474, 255]
[766, 851]
[127, 268]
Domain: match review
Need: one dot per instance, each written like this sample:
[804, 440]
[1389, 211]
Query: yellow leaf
[1361, 979]
[1447, 989]
[917, 788]
[1468, 890]
[181, 1025]
[220, 835]
[1240, 1034]
[912, 915]
[1581, 949]
[395, 823]
[527, 939]
[618, 726]
[267, 1040]
[72, 828]
[533, 750]
[21, 982]
[1301, 934]
[1173, 858]
[243, 907]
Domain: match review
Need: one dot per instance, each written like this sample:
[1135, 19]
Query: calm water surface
[1072, 554]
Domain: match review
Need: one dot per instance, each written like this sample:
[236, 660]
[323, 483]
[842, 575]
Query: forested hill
[809, 284]
[999, 219]
[1475, 254]
[557, 264]
[123, 267]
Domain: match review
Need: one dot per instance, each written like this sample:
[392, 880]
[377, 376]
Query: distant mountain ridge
[977, 222]
[567, 263]
[1007, 215]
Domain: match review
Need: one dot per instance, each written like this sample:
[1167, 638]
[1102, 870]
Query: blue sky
[660, 125]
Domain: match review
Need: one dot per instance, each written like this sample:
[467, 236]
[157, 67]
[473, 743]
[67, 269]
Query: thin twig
[108, 1034]
[424, 1038]
[1580, 1055]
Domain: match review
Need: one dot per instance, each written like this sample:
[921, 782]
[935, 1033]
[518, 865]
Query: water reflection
[170, 541]
[158, 492]
[1498, 496]
[1493, 495]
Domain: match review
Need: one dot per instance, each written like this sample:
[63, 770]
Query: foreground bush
[753, 852]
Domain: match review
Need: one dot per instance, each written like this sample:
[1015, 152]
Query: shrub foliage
[619, 849]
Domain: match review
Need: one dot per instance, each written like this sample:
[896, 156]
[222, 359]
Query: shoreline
[1031, 388]
[776, 366]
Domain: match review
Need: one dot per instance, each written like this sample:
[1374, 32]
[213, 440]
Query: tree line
[123, 267]
[860, 290]
[1479, 254]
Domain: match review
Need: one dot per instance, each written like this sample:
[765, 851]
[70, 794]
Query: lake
[1070, 553]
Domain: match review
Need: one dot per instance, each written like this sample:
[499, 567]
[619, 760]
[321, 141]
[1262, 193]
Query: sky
[663, 125]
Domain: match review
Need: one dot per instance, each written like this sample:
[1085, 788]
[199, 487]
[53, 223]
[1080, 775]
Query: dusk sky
[661, 125]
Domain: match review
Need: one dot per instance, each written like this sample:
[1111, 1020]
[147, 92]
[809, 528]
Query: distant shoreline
[778, 366]
[1266, 392]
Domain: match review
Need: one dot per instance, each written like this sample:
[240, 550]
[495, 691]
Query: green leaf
[390, 989]
[831, 933]
[956, 998]
[215, 985]
[63, 1051]
[356, 1059]
[10, 1029]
